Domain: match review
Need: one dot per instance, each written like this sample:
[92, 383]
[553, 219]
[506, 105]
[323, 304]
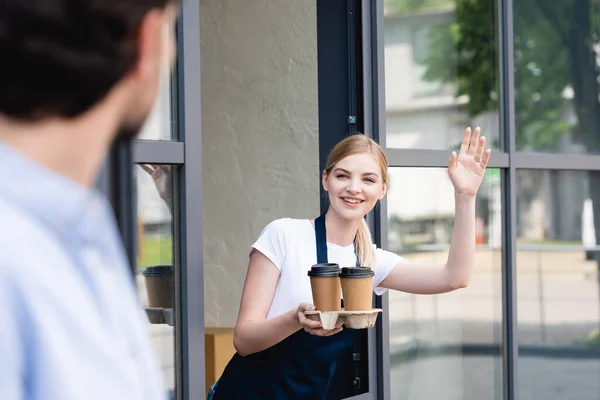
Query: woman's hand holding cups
[312, 323]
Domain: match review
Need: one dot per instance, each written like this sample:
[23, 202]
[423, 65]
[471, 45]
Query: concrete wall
[260, 136]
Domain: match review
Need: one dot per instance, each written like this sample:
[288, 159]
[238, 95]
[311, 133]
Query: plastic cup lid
[356, 272]
[160, 270]
[324, 270]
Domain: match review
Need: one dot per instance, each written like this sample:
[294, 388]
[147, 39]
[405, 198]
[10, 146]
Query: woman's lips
[351, 202]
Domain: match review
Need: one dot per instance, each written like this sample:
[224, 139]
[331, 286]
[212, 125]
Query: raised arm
[253, 331]
[466, 171]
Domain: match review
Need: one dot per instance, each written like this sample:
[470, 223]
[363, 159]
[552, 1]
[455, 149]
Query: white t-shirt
[290, 245]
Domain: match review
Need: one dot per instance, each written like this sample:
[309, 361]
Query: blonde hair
[357, 144]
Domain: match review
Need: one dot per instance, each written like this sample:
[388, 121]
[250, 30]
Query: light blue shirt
[71, 326]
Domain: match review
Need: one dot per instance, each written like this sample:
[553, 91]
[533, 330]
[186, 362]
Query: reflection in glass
[451, 339]
[155, 263]
[160, 124]
[558, 285]
[441, 72]
[556, 55]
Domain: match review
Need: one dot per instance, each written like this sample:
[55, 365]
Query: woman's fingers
[307, 321]
[311, 323]
[464, 144]
[452, 160]
[486, 158]
[480, 148]
[324, 332]
[474, 142]
[333, 331]
[148, 168]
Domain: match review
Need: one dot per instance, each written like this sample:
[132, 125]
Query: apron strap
[321, 238]
[322, 258]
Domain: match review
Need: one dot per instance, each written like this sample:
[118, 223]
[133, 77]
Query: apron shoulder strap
[321, 238]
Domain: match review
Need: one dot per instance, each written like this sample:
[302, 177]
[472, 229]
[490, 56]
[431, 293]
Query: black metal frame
[510, 349]
[340, 98]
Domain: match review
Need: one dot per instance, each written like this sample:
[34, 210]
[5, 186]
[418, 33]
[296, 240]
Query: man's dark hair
[60, 57]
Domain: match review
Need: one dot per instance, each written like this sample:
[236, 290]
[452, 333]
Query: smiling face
[354, 185]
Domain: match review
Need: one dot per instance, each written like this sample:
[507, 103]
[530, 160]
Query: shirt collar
[54, 198]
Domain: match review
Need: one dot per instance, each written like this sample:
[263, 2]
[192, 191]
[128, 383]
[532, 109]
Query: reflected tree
[556, 57]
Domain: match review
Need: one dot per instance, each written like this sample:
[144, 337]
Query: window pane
[556, 46]
[558, 284]
[160, 124]
[441, 72]
[156, 263]
[454, 337]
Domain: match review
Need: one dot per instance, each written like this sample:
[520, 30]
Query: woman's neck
[340, 231]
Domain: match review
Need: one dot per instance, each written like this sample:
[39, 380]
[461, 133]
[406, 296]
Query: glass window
[556, 49]
[156, 261]
[441, 72]
[160, 124]
[452, 338]
[558, 284]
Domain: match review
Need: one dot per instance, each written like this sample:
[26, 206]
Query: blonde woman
[282, 354]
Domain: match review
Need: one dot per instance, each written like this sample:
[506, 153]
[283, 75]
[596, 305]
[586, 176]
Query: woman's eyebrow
[348, 172]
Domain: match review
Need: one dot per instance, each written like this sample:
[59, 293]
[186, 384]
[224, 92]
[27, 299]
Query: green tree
[465, 53]
[556, 46]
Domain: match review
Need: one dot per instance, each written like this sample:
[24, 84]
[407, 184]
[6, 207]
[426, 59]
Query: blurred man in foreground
[75, 76]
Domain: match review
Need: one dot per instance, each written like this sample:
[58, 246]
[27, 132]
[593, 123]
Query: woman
[282, 354]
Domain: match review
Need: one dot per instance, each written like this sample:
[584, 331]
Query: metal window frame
[373, 116]
[510, 350]
[344, 95]
[434, 158]
[158, 152]
[116, 180]
[374, 127]
[191, 352]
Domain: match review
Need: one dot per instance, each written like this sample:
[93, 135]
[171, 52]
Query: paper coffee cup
[357, 287]
[326, 288]
[159, 286]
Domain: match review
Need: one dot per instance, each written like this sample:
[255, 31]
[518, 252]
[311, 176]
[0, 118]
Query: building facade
[262, 91]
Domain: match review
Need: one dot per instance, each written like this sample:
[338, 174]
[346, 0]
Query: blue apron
[299, 367]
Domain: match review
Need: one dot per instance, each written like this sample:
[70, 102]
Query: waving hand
[467, 168]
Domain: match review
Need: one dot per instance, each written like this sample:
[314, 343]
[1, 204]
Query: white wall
[259, 127]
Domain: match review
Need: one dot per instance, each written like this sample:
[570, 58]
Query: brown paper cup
[357, 287]
[327, 293]
[325, 286]
[159, 286]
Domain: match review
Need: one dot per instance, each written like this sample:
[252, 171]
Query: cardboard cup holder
[351, 319]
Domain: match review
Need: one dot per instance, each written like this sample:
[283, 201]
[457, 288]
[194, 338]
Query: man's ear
[324, 181]
[150, 43]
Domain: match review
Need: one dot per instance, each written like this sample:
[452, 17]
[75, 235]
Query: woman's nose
[354, 187]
